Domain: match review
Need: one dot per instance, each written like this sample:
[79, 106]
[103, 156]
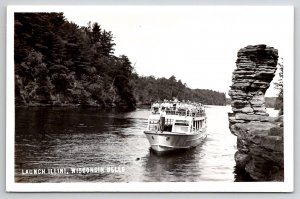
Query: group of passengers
[168, 105]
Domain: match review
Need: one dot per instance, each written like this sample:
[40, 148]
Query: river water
[50, 139]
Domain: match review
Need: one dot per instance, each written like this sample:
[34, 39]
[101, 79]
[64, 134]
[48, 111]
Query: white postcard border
[11, 186]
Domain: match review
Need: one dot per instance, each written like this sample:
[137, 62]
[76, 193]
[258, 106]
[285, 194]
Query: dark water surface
[83, 138]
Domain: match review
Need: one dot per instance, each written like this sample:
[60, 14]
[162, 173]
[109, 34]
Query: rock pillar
[259, 137]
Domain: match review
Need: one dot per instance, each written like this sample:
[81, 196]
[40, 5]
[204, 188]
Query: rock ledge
[259, 137]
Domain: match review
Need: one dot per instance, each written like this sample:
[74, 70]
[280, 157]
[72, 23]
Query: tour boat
[174, 125]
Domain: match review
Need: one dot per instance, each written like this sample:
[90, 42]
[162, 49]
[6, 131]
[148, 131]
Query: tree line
[59, 63]
[150, 89]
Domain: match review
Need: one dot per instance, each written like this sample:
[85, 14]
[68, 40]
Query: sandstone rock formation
[259, 137]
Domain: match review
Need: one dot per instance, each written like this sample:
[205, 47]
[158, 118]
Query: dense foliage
[149, 89]
[59, 63]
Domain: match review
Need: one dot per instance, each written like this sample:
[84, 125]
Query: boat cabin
[175, 117]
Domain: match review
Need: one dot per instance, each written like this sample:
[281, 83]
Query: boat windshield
[181, 123]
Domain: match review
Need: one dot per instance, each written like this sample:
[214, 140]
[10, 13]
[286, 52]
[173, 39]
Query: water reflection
[66, 138]
[173, 167]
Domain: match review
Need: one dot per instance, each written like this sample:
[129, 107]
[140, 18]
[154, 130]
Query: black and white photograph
[150, 98]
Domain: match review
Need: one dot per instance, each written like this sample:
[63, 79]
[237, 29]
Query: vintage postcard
[150, 99]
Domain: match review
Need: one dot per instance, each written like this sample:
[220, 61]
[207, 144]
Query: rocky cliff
[259, 137]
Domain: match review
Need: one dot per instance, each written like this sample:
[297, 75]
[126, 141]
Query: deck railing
[182, 113]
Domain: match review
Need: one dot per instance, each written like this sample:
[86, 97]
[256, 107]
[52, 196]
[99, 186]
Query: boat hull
[169, 141]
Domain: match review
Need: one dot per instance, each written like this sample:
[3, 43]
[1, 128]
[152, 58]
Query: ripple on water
[88, 138]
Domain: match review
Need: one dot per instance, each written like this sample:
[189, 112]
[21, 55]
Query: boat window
[182, 123]
[196, 125]
[168, 125]
[169, 121]
[153, 121]
[153, 125]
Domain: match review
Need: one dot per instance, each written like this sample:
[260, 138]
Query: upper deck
[177, 108]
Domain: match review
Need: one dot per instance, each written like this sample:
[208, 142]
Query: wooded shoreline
[58, 63]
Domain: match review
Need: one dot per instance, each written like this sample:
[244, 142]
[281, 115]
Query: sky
[196, 44]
